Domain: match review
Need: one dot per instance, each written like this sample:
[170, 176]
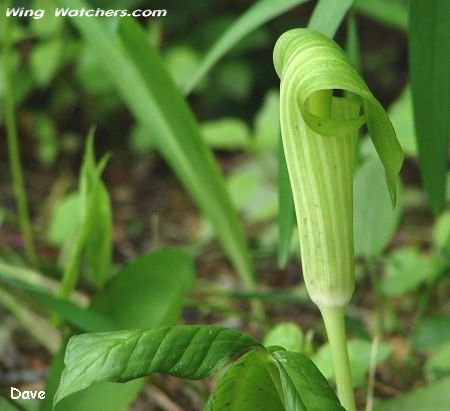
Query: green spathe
[319, 134]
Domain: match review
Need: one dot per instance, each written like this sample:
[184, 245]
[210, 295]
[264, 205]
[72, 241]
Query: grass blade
[326, 18]
[392, 13]
[429, 50]
[154, 100]
[255, 16]
[328, 15]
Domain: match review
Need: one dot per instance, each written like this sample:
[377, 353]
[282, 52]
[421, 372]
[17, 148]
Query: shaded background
[60, 91]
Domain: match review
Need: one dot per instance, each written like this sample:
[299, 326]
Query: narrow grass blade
[326, 18]
[80, 317]
[154, 100]
[392, 13]
[328, 15]
[429, 51]
[352, 42]
[255, 16]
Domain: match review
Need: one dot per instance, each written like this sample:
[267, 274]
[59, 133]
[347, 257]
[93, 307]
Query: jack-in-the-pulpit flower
[319, 134]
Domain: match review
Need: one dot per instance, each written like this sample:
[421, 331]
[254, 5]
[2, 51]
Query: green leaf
[441, 233]
[406, 269]
[438, 364]
[5, 405]
[149, 291]
[45, 61]
[429, 48]
[150, 94]
[255, 16]
[391, 12]
[286, 335]
[359, 352]
[82, 318]
[141, 295]
[64, 220]
[430, 333]
[99, 239]
[327, 16]
[374, 220]
[400, 113]
[94, 236]
[434, 397]
[266, 123]
[226, 134]
[292, 66]
[181, 62]
[185, 351]
[251, 188]
[247, 385]
[305, 388]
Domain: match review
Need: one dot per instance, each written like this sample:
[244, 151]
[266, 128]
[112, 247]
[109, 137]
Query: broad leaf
[254, 17]
[248, 385]
[151, 297]
[406, 269]
[286, 335]
[149, 291]
[374, 220]
[305, 388]
[185, 351]
[149, 92]
[429, 48]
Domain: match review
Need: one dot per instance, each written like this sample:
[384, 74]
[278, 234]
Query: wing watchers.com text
[19, 12]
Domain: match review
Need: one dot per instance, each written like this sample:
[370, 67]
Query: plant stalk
[14, 151]
[333, 318]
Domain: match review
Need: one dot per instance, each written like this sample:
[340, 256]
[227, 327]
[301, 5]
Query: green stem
[14, 151]
[333, 318]
[379, 298]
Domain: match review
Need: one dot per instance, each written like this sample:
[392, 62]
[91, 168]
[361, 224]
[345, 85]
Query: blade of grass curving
[429, 51]
[154, 100]
[254, 17]
[392, 13]
[326, 18]
[190, 351]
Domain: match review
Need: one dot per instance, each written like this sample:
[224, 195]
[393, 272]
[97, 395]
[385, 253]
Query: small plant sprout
[319, 133]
